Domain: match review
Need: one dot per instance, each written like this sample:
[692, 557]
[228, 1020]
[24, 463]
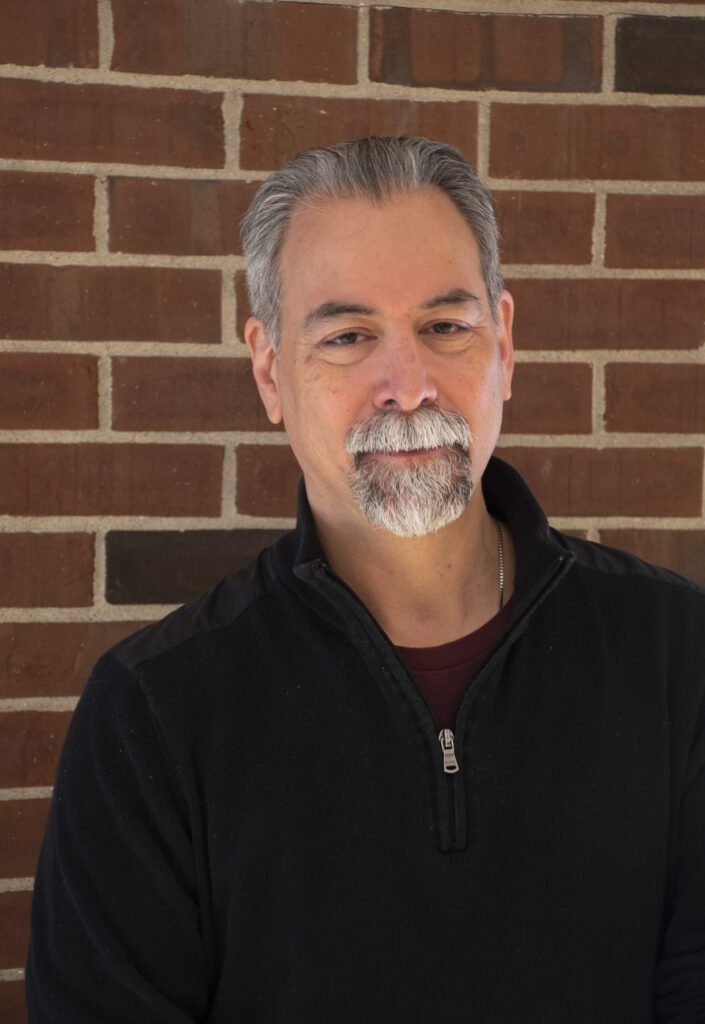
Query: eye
[345, 340]
[446, 327]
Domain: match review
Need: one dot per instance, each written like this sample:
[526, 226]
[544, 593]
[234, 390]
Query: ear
[265, 367]
[505, 316]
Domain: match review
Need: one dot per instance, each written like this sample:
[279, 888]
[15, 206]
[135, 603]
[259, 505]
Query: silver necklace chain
[500, 560]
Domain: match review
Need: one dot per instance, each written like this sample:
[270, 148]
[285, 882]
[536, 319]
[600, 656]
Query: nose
[403, 380]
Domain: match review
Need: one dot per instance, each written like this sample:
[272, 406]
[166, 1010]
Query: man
[425, 760]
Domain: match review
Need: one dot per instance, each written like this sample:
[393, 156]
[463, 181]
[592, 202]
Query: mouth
[407, 453]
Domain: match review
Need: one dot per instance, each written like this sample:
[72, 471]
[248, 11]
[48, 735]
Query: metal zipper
[447, 741]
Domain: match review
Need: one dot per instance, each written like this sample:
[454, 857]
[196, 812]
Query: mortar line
[106, 34]
[363, 46]
[609, 46]
[101, 216]
[599, 231]
[483, 138]
[232, 112]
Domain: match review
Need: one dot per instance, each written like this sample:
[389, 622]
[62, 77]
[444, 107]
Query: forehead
[355, 248]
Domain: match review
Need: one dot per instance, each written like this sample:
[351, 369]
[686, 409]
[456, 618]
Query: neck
[423, 591]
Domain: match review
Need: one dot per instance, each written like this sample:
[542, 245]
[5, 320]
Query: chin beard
[411, 498]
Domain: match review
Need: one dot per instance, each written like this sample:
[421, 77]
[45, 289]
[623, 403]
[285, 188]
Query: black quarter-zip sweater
[252, 822]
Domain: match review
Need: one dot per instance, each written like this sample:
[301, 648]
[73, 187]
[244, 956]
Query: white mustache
[426, 427]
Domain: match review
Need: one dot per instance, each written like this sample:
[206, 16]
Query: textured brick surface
[656, 54]
[549, 398]
[104, 479]
[14, 934]
[52, 121]
[13, 1008]
[457, 51]
[22, 824]
[38, 392]
[613, 481]
[656, 231]
[236, 40]
[53, 659]
[560, 141]
[109, 303]
[664, 397]
[166, 567]
[267, 479]
[58, 33]
[186, 394]
[46, 211]
[683, 551]
[545, 227]
[594, 314]
[46, 569]
[182, 217]
[31, 742]
[275, 128]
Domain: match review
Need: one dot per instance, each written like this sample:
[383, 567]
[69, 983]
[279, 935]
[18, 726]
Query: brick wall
[136, 466]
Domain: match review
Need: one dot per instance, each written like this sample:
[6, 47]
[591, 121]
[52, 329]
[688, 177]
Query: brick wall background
[136, 466]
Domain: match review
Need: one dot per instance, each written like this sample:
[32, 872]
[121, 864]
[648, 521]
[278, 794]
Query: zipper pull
[450, 765]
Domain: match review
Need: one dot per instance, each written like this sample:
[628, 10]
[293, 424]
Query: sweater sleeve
[680, 974]
[116, 931]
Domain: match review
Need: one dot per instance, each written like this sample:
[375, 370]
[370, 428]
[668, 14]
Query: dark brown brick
[31, 742]
[169, 567]
[46, 211]
[112, 124]
[613, 481]
[13, 1007]
[682, 551]
[469, 51]
[53, 570]
[104, 479]
[14, 934]
[22, 824]
[186, 394]
[660, 55]
[41, 392]
[267, 479]
[182, 217]
[275, 128]
[57, 33]
[53, 659]
[109, 303]
[644, 143]
[587, 314]
[545, 227]
[549, 398]
[656, 231]
[227, 39]
[664, 397]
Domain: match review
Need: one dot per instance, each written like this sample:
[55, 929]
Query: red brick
[58, 33]
[186, 394]
[682, 551]
[22, 824]
[469, 51]
[14, 934]
[40, 392]
[574, 314]
[545, 227]
[656, 231]
[31, 743]
[275, 128]
[242, 302]
[613, 481]
[236, 40]
[664, 397]
[53, 570]
[112, 124]
[109, 303]
[105, 479]
[267, 479]
[549, 398]
[46, 211]
[13, 1007]
[560, 141]
[181, 217]
[53, 659]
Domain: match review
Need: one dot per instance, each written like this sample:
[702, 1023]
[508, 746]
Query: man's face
[384, 310]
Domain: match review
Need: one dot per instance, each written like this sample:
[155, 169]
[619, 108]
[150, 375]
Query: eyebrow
[330, 310]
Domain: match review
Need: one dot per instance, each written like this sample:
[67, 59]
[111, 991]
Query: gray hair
[373, 168]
